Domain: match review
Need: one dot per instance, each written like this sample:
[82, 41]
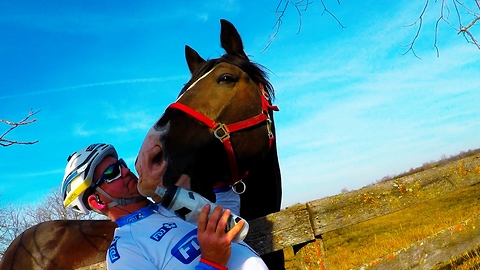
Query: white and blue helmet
[79, 174]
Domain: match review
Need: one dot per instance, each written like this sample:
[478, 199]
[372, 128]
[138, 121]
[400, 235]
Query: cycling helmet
[79, 173]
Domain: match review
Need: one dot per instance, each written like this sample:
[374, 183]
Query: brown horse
[60, 245]
[241, 103]
[219, 130]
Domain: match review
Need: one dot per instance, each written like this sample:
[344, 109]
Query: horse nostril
[158, 157]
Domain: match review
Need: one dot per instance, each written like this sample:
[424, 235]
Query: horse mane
[255, 71]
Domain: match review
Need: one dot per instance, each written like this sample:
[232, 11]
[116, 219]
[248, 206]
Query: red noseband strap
[222, 131]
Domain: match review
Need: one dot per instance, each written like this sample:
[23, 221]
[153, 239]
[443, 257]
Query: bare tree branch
[331, 14]
[15, 219]
[300, 6]
[24, 121]
[419, 20]
[460, 10]
[465, 31]
[51, 208]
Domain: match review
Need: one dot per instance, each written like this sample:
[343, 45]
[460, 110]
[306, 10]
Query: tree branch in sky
[300, 6]
[13, 125]
[451, 12]
[460, 12]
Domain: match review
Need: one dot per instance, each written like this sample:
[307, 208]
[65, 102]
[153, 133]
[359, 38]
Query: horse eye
[226, 78]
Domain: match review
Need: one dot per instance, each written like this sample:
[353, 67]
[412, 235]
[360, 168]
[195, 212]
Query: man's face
[123, 187]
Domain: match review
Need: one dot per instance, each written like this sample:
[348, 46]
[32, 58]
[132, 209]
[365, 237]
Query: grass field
[467, 261]
[427, 218]
[364, 242]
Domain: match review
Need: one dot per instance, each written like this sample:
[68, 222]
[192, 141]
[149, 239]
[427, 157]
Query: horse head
[218, 128]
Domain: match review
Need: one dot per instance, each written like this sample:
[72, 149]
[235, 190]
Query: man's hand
[215, 243]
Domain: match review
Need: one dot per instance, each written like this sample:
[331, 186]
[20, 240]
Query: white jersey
[227, 198]
[155, 238]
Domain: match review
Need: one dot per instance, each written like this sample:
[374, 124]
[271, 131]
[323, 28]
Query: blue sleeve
[204, 266]
[207, 265]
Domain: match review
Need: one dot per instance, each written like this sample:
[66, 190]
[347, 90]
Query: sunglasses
[111, 173]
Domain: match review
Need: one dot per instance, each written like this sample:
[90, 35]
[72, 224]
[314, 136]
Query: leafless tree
[12, 224]
[51, 208]
[13, 125]
[16, 219]
[459, 16]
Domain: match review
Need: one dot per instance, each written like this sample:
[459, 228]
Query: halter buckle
[224, 132]
[236, 185]
[269, 127]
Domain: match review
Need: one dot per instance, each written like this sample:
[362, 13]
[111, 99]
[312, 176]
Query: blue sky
[353, 109]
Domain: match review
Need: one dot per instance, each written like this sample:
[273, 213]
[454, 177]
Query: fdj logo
[112, 250]
[187, 249]
[158, 235]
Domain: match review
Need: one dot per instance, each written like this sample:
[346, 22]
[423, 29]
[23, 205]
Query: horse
[70, 244]
[59, 245]
[219, 131]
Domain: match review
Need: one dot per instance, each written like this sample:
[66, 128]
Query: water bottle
[187, 205]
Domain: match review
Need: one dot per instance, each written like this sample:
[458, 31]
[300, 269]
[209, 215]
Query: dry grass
[366, 241]
[467, 261]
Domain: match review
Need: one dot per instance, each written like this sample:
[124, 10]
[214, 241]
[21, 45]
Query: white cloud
[80, 130]
[38, 173]
[93, 85]
[202, 17]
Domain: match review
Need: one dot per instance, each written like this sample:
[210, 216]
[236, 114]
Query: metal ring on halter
[224, 132]
[235, 188]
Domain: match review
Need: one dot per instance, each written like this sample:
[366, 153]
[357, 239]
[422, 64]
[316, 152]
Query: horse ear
[194, 60]
[230, 39]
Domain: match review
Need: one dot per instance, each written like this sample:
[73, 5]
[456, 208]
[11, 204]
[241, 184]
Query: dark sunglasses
[111, 173]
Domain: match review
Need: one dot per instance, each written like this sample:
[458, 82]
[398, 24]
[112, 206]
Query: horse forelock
[255, 71]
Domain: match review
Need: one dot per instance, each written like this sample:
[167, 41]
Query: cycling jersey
[154, 238]
[227, 198]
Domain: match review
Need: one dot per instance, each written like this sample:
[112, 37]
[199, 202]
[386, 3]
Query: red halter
[222, 131]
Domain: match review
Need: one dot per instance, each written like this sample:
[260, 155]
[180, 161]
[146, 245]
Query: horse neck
[264, 176]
